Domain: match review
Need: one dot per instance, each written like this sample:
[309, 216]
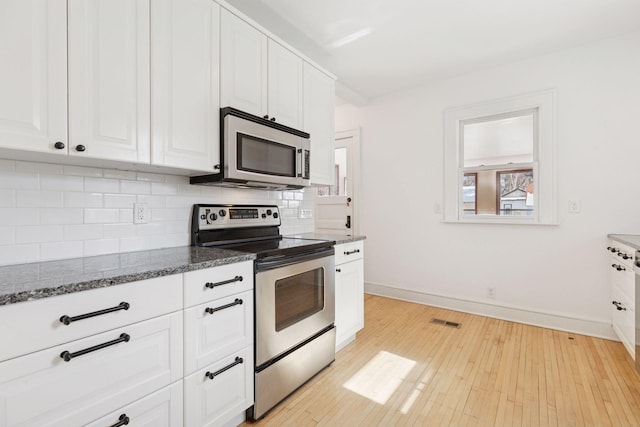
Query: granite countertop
[628, 239]
[339, 239]
[26, 282]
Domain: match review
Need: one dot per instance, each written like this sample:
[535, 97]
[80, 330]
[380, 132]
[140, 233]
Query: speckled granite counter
[26, 282]
[628, 239]
[336, 238]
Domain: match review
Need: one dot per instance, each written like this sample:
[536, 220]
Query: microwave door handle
[299, 163]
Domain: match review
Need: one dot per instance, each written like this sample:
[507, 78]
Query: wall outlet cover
[140, 213]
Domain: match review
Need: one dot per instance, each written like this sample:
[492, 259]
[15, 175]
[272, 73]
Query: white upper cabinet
[319, 95]
[109, 79]
[33, 75]
[185, 94]
[243, 65]
[285, 86]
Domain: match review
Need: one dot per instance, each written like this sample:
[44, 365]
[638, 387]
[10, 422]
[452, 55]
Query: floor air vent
[445, 323]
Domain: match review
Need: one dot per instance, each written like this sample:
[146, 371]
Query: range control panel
[212, 217]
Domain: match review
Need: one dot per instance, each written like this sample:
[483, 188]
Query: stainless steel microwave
[259, 153]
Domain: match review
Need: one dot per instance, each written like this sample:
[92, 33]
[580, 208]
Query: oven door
[254, 152]
[295, 299]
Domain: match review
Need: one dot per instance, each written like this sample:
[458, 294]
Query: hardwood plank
[488, 372]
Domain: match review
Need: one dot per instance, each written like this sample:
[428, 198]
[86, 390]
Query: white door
[185, 98]
[336, 211]
[285, 86]
[33, 75]
[243, 65]
[109, 79]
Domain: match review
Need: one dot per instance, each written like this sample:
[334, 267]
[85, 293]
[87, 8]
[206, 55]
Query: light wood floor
[404, 370]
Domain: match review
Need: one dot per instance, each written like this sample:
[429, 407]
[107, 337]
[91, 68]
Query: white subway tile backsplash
[83, 200]
[83, 231]
[61, 216]
[49, 211]
[19, 180]
[61, 182]
[38, 233]
[100, 247]
[60, 250]
[119, 200]
[135, 187]
[7, 198]
[101, 185]
[102, 216]
[18, 216]
[38, 199]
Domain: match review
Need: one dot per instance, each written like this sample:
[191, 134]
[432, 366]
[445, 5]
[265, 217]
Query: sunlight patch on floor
[380, 377]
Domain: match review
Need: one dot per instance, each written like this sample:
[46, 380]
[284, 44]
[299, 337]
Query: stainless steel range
[294, 295]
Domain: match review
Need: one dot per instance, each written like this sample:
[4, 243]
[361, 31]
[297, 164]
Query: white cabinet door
[285, 86]
[33, 75]
[319, 94]
[243, 65]
[109, 79]
[349, 301]
[105, 372]
[185, 83]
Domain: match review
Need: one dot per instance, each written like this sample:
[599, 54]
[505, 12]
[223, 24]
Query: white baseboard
[527, 316]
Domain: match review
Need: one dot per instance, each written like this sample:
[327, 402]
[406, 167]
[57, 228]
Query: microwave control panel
[211, 217]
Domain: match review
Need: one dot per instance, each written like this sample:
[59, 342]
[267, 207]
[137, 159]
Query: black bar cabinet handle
[68, 319]
[355, 251]
[123, 420]
[222, 307]
[67, 356]
[212, 375]
[224, 282]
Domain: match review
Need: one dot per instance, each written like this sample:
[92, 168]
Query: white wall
[559, 270]
[52, 211]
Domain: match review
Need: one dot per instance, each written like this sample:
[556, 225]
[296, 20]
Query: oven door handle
[282, 261]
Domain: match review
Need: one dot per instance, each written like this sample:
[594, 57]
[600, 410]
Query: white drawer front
[217, 329]
[213, 402]
[41, 389]
[160, 409]
[212, 283]
[36, 325]
[623, 278]
[624, 319]
[349, 252]
[622, 253]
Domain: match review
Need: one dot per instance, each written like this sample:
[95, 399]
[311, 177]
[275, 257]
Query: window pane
[515, 193]
[340, 178]
[499, 141]
[469, 183]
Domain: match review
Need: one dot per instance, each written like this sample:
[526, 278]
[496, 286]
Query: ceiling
[377, 47]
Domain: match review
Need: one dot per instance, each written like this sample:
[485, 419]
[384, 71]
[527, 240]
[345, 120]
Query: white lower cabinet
[349, 292]
[160, 409]
[77, 382]
[623, 284]
[218, 393]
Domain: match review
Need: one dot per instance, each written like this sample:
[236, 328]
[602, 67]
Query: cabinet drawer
[349, 251]
[217, 329]
[624, 319]
[43, 389]
[212, 402]
[623, 278]
[209, 284]
[36, 325]
[160, 409]
[622, 253]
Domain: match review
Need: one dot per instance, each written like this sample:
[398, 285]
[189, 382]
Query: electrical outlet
[140, 213]
[491, 293]
[574, 206]
[436, 208]
[304, 213]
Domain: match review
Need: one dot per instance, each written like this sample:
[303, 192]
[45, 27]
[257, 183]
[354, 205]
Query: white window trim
[544, 157]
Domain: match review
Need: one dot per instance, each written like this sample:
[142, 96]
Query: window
[499, 161]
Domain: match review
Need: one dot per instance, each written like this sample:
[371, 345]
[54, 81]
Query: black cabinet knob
[338, 270]
[81, 148]
[266, 116]
[273, 119]
[59, 145]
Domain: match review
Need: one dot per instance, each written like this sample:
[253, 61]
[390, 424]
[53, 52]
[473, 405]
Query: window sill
[498, 221]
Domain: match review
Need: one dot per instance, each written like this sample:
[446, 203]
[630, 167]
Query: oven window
[298, 297]
[266, 157]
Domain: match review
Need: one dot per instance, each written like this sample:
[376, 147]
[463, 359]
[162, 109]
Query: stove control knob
[275, 214]
[213, 216]
[268, 211]
[264, 215]
[222, 213]
[203, 217]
